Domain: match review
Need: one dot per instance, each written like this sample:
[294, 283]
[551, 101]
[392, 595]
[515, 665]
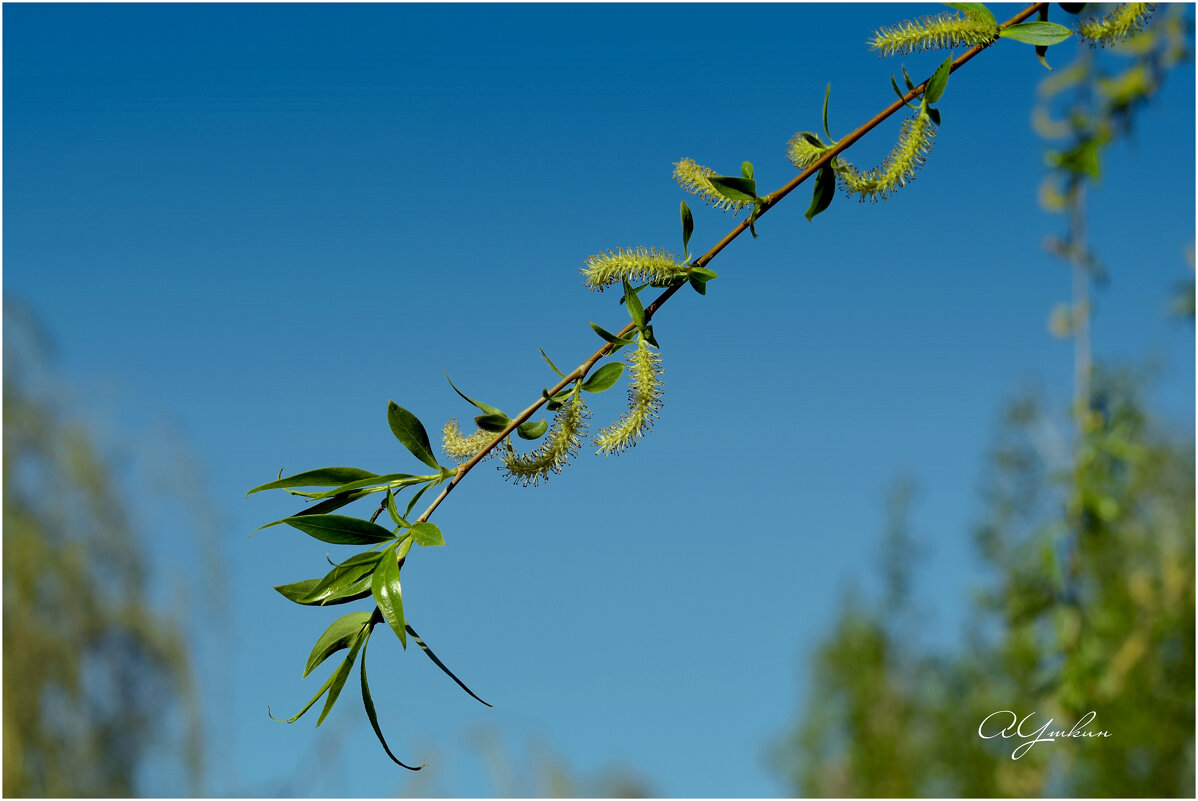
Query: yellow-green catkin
[644, 401]
[1125, 21]
[658, 267]
[461, 447]
[696, 179]
[899, 168]
[559, 445]
[942, 31]
[804, 149]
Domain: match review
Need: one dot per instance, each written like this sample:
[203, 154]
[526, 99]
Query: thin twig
[771, 200]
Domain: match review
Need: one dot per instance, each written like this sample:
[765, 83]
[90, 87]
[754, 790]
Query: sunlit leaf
[324, 477]
[340, 634]
[411, 434]
[427, 534]
[604, 378]
[340, 529]
[388, 594]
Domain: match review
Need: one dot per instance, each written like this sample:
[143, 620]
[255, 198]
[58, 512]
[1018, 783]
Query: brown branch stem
[771, 200]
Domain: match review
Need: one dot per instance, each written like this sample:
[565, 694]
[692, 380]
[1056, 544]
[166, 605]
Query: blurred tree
[93, 674]
[1089, 539]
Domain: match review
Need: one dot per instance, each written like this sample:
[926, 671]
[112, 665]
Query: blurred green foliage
[92, 671]
[1088, 542]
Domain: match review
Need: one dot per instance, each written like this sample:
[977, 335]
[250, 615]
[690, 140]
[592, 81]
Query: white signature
[1015, 728]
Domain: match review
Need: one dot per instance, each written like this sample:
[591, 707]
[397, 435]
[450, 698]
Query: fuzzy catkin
[804, 149]
[909, 154]
[938, 32]
[461, 447]
[644, 401]
[1123, 22]
[696, 179]
[559, 445]
[658, 267]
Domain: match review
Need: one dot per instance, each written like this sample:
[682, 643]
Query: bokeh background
[902, 478]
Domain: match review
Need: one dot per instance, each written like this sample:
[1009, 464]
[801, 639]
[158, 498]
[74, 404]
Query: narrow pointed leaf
[899, 92]
[348, 578]
[427, 534]
[340, 529]
[323, 689]
[1036, 33]
[340, 634]
[827, 97]
[429, 653]
[368, 702]
[411, 434]
[416, 499]
[375, 484]
[482, 406]
[907, 78]
[532, 429]
[300, 591]
[743, 190]
[388, 594]
[549, 361]
[938, 82]
[635, 309]
[609, 337]
[337, 680]
[324, 477]
[825, 190]
[604, 378]
[688, 226]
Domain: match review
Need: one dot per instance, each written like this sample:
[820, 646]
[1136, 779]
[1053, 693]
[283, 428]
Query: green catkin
[644, 401]
[559, 445]
[658, 267]
[909, 154]
[1123, 22]
[696, 179]
[804, 149]
[460, 447]
[939, 32]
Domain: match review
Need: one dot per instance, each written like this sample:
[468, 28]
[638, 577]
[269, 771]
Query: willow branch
[771, 200]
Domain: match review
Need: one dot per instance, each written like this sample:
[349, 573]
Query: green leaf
[746, 169]
[549, 361]
[482, 406]
[337, 680]
[976, 10]
[375, 484]
[427, 534]
[388, 594]
[604, 378]
[416, 498]
[825, 190]
[492, 422]
[688, 226]
[619, 342]
[934, 115]
[827, 97]
[429, 653]
[324, 477]
[368, 702]
[907, 78]
[1037, 33]
[743, 190]
[347, 578]
[411, 434]
[699, 276]
[532, 430]
[899, 92]
[339, 529]
[323, 689]
[938, 81]
[635, 309]
[340, 634]
[652, 340]
[393, 510]
[321, 508]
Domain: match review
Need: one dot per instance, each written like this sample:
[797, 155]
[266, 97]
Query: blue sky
[252, 225]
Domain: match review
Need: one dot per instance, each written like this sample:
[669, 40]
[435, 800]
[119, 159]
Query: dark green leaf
[652, 340]
[323, 689]
[746, 169]
[635, 309]
[549, 361]
[368, 702]
[976, 10]
[324, 477]
[427, 534]
[699, 276]
[938, 81]
[415, 499]
[688, 226]
[337, 680]
[429, 653]
[393, 510]
[532, 430]
[604, 378]
[827, 97]
[609, 337]
[339, 529]
[492, 422]
[934, 115]
[825, 190]
[1037, 33]
[743, 190]
[899, 92]
[388, 594]
[347, 578]
[300, 590]
[340, 634]
[411, 434]
[394, 479]
[482, 406]
[907, 78]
